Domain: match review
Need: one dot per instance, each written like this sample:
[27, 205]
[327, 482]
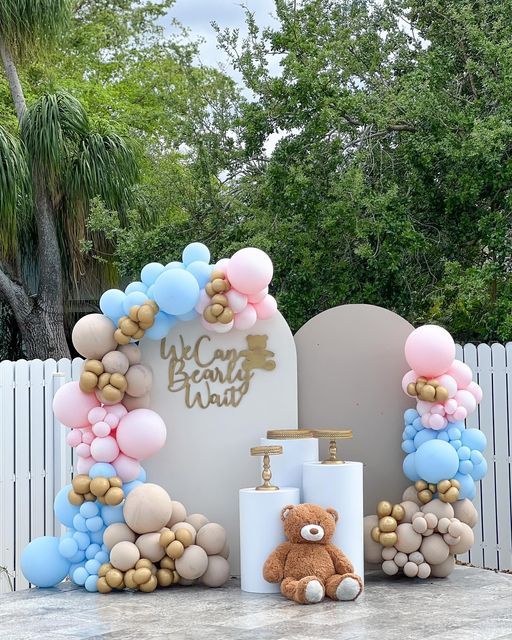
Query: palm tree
[50, 170]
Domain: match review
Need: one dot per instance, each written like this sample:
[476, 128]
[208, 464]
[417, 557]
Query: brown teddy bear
[308, 566]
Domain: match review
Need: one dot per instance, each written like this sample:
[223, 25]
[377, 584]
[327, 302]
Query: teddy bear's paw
[348, 589]
[314, 592]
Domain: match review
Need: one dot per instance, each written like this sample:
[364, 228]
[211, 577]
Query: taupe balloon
[410, 495]
[444, 569]
[132, 352]
[467, 539]
[372, 549]
[115, 362]
[212, 538]
[184, 525]
[217, 572]
[465, 512]
[149, 546]
[193, 563]
[132, 403]
[124, 555]
[438, 508]
[408, 540]
[93, 336]
[197, 520]
[179, 513]
[434, 549]
[117, 532]
[147, 508]
[139, 379]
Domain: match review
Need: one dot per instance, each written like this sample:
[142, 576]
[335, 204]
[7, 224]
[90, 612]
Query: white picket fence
[35, 461]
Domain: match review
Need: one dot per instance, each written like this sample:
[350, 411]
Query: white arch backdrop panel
[206, 458]
[350, 364]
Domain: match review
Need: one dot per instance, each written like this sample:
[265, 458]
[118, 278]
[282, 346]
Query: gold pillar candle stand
[332, 435]
[266, 474]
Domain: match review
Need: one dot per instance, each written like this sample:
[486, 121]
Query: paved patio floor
[471, 604]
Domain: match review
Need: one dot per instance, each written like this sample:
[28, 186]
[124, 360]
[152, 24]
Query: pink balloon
[112, 420]
[101, 429]
[83, 465]
[437, 409]
[449, 384]
[118, 410]
[222, 265]
[83, 450]
[250, 270]
[246, 318]
[203, 302]
[437, 422]
[71, 405]
[422, 406]
[466, 400]
[459, 414]
[141, 433]
[461, 373]
[430, 350]
[217, 327]
[87, 436]
[450, 406]
[476, 391]
[237, 301]
[104, 449]
[425, 420]
[126, 468]
[266, 308]
[97, 414]
[409, 378]
[258, 297]
[74, 437]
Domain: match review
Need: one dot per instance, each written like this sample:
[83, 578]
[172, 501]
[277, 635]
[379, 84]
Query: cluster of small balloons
[454, 452]
[443, 385]
[181, 292]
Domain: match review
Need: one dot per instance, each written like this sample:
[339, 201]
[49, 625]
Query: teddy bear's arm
[342, 564]
[273, 569]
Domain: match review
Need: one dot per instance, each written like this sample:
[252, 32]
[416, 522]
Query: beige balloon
[124, 555]
[149, 546]
[211, 537]
[438, 508]
[225, 551]
[115, 362]
[184, 525]
[139, 379]
[410, 509]
[147, 508]
[217, 572]
[444, 569]
[410, 569]
[193, 563]
[465, 512]
[197, 520]
[434, 549]
[179, 513]
[411, 495]
[408, 540]
[372, 549]
[132, 403]
[93, 336]
[132, 352]
[117, 532]
[467, 539]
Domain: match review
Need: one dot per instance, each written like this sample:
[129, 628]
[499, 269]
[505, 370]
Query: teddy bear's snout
[312, 532]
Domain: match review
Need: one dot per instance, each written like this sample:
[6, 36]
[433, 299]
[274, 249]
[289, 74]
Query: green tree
[49, 173]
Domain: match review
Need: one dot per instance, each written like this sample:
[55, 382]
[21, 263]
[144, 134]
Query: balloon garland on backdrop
[121, 531]
[421, 535]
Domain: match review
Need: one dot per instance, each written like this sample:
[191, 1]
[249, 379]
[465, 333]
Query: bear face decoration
[308, 566]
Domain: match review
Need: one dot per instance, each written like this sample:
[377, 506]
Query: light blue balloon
[150, 272]
[409, 467]
[176, 292]
[94, 524]
[201, 272]
[479, 470]
[101, 557]
[80, 575]
[42, 564]
[97, 536]
[474, 439]
[64, 510]
[102, 469]
[130, 486]
[465, 467]
[79, 523]
[78, 557]
[410, 432]
[417, 424]
[142, 475]
[92, 566]
[424, 436]
[476, 457]
[186, 317]
[89, 510]
[73, 567]
[111, 303]
[454, 433]
[436, 460]
[92, 550]
[410, 416]
[467, 486]
[136, 297]
[105, 548]
[136, 286]
[82, 540]
[112, 514]
[68, 547]
[464, 453]
[456, 444]
[408, 446]
[175, 265]
[195, 251]
[151, 292]
[443, 435]
[161, 326]
[91, 584]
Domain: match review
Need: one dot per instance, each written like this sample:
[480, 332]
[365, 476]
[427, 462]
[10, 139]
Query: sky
[198, 15]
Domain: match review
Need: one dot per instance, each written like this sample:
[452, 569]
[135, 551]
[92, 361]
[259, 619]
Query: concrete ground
[472, 604]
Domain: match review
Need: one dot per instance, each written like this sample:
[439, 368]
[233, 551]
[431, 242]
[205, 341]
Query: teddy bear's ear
[285, 512]
[333, 513]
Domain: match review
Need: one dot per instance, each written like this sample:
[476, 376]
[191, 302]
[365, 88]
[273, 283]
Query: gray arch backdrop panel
[350, 366]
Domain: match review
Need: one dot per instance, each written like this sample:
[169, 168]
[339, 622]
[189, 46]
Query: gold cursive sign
[213, 376]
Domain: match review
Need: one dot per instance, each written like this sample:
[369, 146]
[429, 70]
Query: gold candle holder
[332, 435]
[266, 474]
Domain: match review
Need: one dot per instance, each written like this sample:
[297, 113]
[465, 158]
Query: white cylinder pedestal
[261, 531]
[287, 468]
[340, 486]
